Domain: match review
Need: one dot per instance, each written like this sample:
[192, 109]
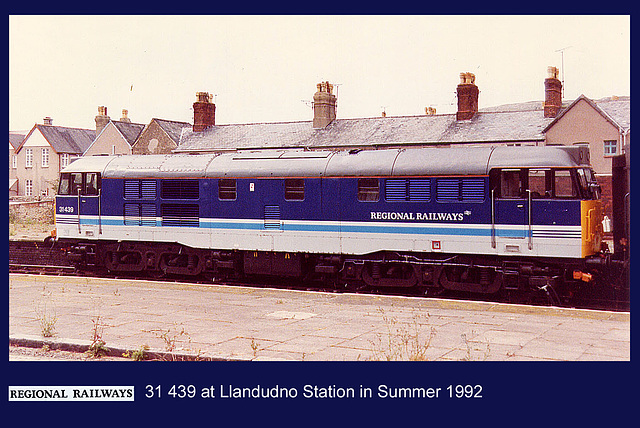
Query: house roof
[617, 110]
[366, 132]
[15, 139]
[63, 139]
[130, 131]
[172, 128]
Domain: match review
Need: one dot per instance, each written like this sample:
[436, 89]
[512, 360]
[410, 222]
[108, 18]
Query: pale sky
[265, 68]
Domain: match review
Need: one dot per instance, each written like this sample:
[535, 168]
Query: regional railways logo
[71, 393]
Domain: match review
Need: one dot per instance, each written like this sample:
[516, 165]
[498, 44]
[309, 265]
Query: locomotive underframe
[427, 273]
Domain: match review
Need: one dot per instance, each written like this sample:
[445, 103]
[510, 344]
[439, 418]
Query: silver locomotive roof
[358, 163]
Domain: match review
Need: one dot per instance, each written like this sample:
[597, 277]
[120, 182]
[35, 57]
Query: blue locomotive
[477, 219]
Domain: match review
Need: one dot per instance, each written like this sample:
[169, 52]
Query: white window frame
[608, 144]
[28, 187]
[64, 160]
[45, 157]
[28, 163]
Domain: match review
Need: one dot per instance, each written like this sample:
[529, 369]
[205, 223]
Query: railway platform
[215, 322]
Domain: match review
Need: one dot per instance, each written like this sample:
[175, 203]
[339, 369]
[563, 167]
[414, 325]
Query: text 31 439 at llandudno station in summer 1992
[311, 392]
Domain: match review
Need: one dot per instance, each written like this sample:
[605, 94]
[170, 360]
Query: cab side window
[540, 183]
[76, 182]
[91, 183]
[563, 184]
[511, 184]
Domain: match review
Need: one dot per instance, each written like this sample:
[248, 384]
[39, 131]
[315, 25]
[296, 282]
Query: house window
[65, 160]
[29, 158]
[28, 187]
[610, 147]
[45, 157]
[113, 149]
[14, 162]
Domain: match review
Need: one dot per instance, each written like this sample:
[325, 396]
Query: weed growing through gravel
[97, 347]
[47, 319]
[403, 341]
[171, 338]
[470, 356]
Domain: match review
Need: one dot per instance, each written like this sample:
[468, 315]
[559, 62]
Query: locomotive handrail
[99, 212]
[79, 228]
[530, 222]
[493, 218]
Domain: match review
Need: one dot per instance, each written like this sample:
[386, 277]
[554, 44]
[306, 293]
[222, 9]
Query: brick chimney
[47, 121]
[467, 97]
[204, 112]
[324, 105]
[102, 119]
[125, 116]
[552, 93]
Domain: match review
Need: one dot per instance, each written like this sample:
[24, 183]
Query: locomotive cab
[539, 209]
[78, 201]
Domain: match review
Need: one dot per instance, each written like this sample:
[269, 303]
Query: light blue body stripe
[345, 228]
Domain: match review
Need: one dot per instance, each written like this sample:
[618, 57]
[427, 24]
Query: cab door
[89, 205]
[511, 201]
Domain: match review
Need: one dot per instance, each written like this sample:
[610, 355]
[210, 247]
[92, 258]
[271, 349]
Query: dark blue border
[544, 394]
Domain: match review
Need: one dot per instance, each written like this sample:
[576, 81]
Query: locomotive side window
[511, 184]
[294, 189]
[368, 189]
[227, 190]
[540, 183]
[77, 182]
[563, 184]
[65, 184]
[91, 183]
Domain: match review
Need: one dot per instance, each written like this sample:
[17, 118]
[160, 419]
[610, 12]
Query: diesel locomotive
[473, 219]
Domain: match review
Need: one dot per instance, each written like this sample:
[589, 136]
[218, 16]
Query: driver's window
[511, 185]
[540, 183]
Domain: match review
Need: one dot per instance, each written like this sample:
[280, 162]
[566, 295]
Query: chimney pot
[324, 105]
[47, 121]
[125, 116]
[204, 112]
[102, 119]
[467, 97]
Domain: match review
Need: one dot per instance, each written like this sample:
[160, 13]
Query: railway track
[36, 257]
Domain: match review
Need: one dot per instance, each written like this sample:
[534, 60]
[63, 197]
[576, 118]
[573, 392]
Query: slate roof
[617, 110]
[130, 131]
[15, 139]
[65, 140]
[172, 128]
[378, 132]
[510, 123]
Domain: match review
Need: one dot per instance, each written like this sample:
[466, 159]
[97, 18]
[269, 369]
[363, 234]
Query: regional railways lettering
[377, 215]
